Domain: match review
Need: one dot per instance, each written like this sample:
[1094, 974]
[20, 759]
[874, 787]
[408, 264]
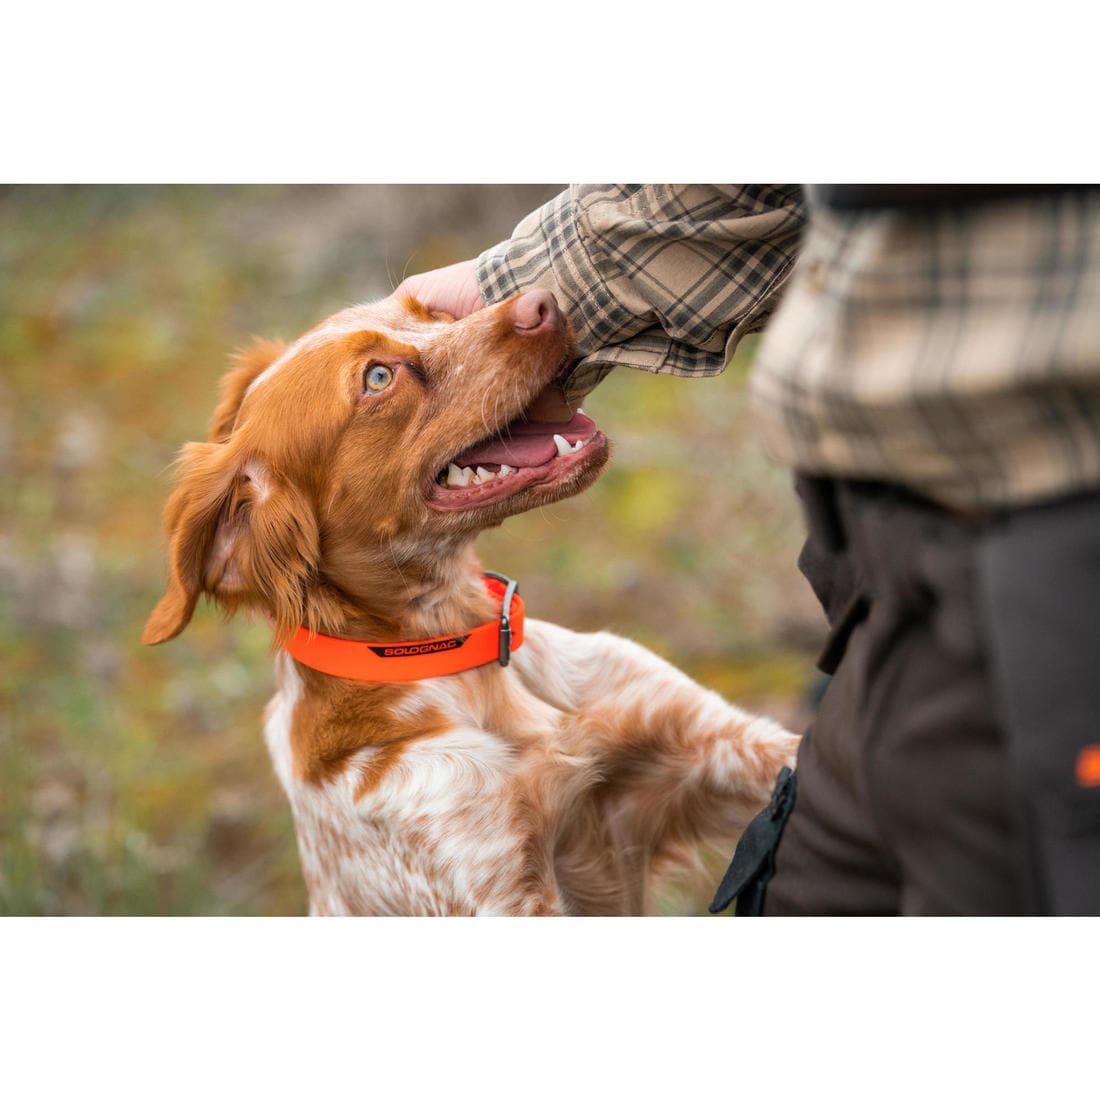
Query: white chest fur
[435, 837]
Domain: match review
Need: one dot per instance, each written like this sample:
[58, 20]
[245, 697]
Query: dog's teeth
[458, 476]
[483, 475]
[578, 445]
[563, 447]
[505, 469]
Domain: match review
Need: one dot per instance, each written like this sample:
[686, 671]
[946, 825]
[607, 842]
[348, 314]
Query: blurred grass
[135, 781]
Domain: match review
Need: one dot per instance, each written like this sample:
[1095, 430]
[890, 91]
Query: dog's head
[385, 437]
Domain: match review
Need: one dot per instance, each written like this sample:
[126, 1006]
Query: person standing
[930, 372]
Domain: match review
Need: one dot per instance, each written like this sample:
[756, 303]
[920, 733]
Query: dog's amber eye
[376, 378]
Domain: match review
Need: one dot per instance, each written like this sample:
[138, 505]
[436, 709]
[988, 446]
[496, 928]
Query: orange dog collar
[420, 660]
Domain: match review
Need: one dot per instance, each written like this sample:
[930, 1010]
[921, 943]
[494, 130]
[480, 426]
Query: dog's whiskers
[484, 419]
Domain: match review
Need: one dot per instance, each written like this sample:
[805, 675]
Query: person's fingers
[452, 289]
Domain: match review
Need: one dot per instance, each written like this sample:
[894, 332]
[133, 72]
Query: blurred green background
[134, 780]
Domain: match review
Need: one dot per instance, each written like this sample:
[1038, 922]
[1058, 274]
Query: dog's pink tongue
[527, 442]
[528, 451]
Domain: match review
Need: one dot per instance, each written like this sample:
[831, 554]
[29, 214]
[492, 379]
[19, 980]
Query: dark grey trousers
[953, 765]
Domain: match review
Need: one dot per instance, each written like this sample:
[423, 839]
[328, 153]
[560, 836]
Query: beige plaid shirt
[952, 350]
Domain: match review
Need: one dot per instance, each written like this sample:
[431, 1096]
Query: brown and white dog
[341, 487]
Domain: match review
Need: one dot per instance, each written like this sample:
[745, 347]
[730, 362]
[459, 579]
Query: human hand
[452, 290]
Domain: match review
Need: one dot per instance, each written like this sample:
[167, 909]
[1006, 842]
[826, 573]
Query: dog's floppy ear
[240, 532]
[248, 365]
[191, 518]
[237, 530]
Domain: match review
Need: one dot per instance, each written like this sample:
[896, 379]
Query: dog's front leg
[683, 766]
[679, 764]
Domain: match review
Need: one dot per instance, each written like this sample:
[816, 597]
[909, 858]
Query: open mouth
[527, 453]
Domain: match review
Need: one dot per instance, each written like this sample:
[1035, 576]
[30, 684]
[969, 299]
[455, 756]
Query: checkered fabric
[954, 350]
[662, 278]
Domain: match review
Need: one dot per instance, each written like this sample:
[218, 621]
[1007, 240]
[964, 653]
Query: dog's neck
[385, 599]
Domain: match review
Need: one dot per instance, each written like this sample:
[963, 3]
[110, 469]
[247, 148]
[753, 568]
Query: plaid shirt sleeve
[664, 278]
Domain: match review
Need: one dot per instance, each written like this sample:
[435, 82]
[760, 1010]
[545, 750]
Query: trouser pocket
[1039, 580]
[827, 563]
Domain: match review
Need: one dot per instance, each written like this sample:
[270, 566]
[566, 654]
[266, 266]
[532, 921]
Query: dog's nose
[536, 311]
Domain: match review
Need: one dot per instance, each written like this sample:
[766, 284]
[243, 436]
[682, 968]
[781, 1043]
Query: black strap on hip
[753, 863]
